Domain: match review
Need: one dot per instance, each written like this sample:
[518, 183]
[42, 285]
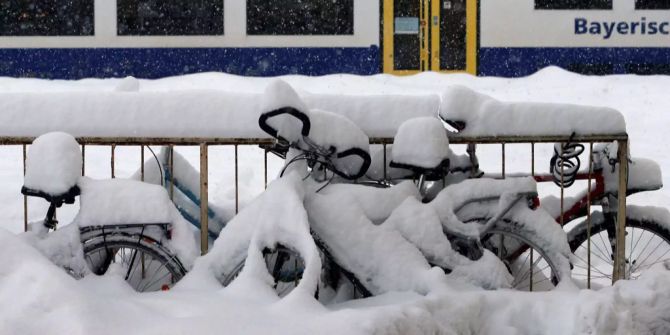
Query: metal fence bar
[237, 190]
[112, 161]
[588, 218]
[620, 256]
[384, 153]
[532, 173]
[142, 162]
[25, 197]
[204, 206]
[171, 169]
[265, 168]
[83, 160]
[502, 148]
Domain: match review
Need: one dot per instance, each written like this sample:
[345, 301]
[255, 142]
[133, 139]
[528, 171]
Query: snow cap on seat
[53, 164]
[279, 94]
[335, 130]
[420, 142]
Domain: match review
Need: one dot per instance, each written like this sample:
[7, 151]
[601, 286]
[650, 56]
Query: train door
[429, 35]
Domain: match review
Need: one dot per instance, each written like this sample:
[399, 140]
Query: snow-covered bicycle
[647, 237]
[451, 231]
[122, 226]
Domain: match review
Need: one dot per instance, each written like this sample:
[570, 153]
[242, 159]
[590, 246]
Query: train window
[46, 18]
[652, 4]
[573, 4]
[300, 17]
[173, 17]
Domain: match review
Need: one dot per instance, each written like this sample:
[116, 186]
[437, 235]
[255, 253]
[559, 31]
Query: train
[72, 39]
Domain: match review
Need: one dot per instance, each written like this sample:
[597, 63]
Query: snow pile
[30, 284]
[62, 247]
[485, 116]
[421, 142]
[378, 104]
[211, 113]
[378, 114]
[53, 164]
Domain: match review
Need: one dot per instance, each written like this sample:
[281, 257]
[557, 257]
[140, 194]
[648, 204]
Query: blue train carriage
[519, 37]
[157, 38]
[152, 38]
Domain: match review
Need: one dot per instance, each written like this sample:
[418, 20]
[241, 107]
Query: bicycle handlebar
[263, 121]
[364, 155]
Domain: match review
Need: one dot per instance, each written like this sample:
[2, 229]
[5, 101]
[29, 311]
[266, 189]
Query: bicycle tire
[532, 267]
[658, 235]
[139, 256]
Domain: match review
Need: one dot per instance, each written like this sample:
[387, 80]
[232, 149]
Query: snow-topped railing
[219, 118]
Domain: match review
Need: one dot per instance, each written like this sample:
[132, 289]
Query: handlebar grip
[263, 121]
[355, 152]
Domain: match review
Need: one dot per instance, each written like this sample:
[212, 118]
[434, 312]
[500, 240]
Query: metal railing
[205, 143]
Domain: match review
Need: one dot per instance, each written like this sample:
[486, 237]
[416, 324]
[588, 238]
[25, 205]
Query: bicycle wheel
[647, 244]
[145, 264]
[286, 267]
[532, 266]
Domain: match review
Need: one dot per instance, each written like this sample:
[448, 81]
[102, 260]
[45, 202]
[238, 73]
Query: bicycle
[487, 215]
[650, 224]
[140, 250]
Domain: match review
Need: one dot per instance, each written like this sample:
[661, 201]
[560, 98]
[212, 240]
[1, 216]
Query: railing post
[204, 219]
[83, 160]
[171, 169]
[113, 167]
[588, 218]
[142, 163]
[237, 189]
[620, 257]
[25, 197]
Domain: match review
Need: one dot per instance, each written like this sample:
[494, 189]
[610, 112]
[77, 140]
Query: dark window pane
[46, 18]
[406, 41]
[452, 36]
[300, 17]
[652, 4]
[170, 17]
[573, 4]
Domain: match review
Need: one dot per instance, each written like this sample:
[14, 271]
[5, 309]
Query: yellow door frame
[434, 23]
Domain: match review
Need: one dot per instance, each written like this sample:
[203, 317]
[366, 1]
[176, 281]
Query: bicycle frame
[579, 209]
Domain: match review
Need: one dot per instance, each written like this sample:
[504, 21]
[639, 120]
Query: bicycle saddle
[421, 146]
[53, 168]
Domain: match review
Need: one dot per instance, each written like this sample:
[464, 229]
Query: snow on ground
[37, 297]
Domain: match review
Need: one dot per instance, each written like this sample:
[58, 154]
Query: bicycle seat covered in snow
[53, 168]
[421, 146]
